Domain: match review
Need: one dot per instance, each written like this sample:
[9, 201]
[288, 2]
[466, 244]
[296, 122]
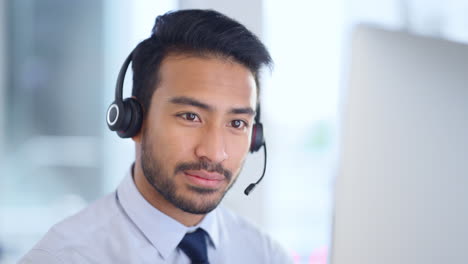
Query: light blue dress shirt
[123, 227]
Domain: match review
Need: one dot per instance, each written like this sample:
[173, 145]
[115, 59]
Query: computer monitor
[402, 189]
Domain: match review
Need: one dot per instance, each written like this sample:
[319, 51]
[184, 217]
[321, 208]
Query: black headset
[126, 117]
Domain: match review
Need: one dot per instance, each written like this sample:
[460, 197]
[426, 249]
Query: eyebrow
[184, 100]
[247, 110]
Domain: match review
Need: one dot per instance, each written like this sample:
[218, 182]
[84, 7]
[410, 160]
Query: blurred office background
[58, 64]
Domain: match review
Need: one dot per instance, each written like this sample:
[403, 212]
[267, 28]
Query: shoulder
[249, 239]
[88, 221]
[40, 256]
[80, 235]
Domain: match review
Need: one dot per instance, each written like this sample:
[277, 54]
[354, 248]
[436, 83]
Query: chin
[200, 201]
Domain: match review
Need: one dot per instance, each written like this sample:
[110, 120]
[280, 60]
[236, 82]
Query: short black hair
[195, 32]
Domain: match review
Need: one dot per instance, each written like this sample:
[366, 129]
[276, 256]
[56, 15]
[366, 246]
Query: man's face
[198, 128]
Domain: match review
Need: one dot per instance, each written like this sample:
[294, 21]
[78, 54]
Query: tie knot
[194, 246]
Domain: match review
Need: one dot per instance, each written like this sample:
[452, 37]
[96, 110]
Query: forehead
[217, 81]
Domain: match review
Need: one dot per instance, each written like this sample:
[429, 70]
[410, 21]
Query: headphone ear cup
[257, 138]
[114, 116]
[133, 115]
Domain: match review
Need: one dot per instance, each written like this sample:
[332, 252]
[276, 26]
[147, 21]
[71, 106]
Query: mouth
[204, 179]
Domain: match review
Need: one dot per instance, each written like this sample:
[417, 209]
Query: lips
[204, 178]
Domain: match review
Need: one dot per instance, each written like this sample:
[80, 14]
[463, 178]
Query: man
[195, 95]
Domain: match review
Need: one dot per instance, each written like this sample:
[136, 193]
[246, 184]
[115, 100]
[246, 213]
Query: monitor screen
[402, 189]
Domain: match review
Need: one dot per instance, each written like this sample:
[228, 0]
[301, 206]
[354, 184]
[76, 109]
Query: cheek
[172, 144]
[238, 149]
[181, 144]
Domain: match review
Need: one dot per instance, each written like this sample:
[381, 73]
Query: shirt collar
[164, 232]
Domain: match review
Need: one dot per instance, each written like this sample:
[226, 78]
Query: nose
[212, 146]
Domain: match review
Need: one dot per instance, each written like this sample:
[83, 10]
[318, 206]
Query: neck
[159, 202]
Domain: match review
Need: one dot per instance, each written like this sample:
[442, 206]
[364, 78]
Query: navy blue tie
[194, 246]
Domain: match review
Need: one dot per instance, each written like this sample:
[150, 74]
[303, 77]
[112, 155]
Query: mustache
[204, 165]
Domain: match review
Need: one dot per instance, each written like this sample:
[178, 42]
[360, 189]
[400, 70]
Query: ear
[137, 138]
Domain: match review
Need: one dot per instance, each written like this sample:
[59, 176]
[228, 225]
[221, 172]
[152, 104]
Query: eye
[190, 117]
[238, 124]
